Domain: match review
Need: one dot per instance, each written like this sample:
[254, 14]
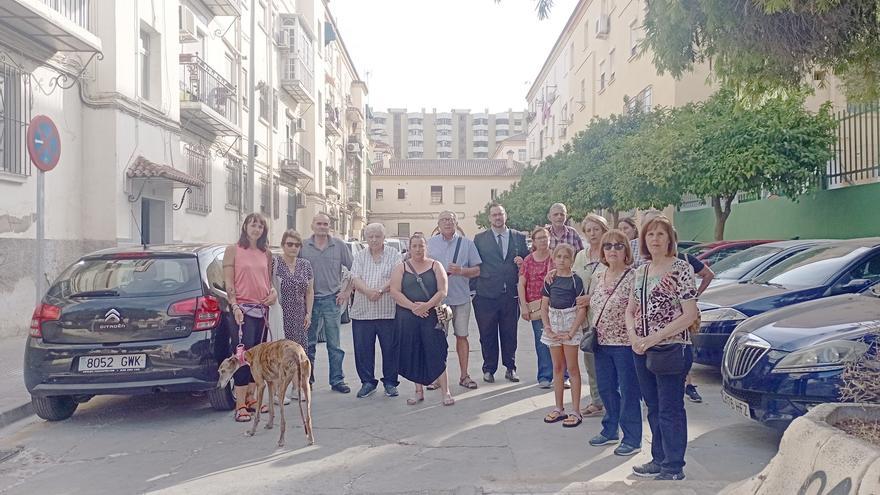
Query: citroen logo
[112, 316]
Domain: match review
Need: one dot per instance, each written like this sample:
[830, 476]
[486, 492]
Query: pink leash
[239, 349]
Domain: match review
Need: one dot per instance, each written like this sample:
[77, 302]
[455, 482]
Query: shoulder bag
[590, 342]
[535, 306]
[444, 312]
[663, 359]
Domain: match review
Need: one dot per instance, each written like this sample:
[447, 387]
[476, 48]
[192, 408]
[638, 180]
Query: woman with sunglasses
[297, 291]
[615, 370]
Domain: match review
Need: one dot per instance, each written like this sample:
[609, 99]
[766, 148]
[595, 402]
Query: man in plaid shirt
[561, 233]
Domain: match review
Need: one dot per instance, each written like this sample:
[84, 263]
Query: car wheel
[56, 408]
[221, 398]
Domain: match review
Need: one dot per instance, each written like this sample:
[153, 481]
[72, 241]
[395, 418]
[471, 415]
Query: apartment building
[151, 101]
[457, 134]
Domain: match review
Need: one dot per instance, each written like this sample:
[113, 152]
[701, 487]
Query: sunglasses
[292, 244]
[617, 246]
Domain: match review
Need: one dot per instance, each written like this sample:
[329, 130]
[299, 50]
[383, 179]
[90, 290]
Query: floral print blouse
[665, 294]
[611, 329]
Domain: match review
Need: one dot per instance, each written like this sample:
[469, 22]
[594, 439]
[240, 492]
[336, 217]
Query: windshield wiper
[96, 293]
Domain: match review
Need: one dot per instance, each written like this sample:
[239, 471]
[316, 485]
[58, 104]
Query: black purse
[590, 341]
[663, 359]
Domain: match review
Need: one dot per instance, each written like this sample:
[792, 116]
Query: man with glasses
[496, 306]
[327, 256]
[461, 260]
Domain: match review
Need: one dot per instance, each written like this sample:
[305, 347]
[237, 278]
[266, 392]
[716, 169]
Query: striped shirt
[570, 237]
[375, 275]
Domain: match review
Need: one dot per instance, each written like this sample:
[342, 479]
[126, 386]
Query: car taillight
[43, 313]
[205, 310]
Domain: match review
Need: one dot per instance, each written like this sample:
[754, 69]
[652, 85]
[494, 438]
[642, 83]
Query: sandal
[593, 410]
[264, 409]
[433, 386]
[554, 416]
[448, 401]
[572, 420]
[415, 400]
[242, 415]
[249, 404]
[468, 382]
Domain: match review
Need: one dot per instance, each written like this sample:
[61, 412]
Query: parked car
[396, 243]
[682, 245]
[712, 252]
[128, 321]
[780, 364]
[838, 267]
[747, 264]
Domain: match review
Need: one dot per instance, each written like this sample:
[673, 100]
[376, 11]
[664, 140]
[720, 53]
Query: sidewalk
[15, 402]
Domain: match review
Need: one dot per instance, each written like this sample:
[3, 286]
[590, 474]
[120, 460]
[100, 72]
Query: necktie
[501, 245]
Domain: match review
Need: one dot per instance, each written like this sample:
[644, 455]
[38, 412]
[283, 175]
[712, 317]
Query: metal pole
[39, 267]
[253, 104]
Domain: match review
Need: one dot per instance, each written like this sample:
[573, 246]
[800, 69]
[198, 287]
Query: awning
[145, 169]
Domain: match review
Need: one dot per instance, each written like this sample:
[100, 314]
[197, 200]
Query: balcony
[50, 25]
[353, 112]
[227, 8]
[481, 126]
[297, 79]
[296, 161]
[416, 125]
[331, 182]
[208, 102]
[332, 122]
[444, 127]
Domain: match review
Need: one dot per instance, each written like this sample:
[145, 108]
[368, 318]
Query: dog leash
[249, 309]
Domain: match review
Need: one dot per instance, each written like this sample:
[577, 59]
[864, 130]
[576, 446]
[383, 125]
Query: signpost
[44, 148]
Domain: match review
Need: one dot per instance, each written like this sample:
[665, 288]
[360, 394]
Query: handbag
[663, 359]
[443, 311]
[534, 309]
[590, 341]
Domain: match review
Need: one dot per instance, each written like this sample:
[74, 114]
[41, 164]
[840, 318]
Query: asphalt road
[492, 440]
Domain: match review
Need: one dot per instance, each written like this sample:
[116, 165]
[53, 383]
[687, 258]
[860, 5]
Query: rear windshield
[128, 277]
[811, 268]
[736, 265]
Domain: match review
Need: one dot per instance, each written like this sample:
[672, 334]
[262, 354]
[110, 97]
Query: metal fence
[857, 147]
[200, 83]
[76, 11]
[14, 117]
[198, 166]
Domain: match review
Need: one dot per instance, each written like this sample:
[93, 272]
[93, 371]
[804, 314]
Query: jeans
[545, 364]
[364, 334]
[325, 310]
[497, 318]
[619, 388]
[664, 397]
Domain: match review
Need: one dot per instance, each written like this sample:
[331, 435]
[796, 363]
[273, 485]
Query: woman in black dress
[423, 347]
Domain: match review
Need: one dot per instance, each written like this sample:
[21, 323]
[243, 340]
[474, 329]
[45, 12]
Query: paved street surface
[492, 440]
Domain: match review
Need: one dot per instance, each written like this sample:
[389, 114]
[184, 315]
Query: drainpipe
[253, 109]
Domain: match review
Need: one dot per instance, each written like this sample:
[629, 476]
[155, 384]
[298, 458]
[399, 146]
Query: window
[522, 155]
[321, 111]
[200, 168]
[264, 195]
[14, 115]
[586, 34]
[641, 102]
[634, 38]
[275, 109]
[291, 209]
[493, 194]
[233, 183]
[144, 64]
[415, 132]
[583, 100]
[444, 132]
[276, 198]
[444, 154]
[611, 65]
[415, 154]
[264, 101]
[602, 80]
[401, 194]
[415, 144]
[459, 194]
[481, 132]
[380, 194]
[571, 56]
[481, 154]
[415, 121]
[501, 133]
[245, 84]
[403, 230]
[436, 195]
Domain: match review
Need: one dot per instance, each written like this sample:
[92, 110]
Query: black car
[828, 269]
[780, 364]
[128, 321]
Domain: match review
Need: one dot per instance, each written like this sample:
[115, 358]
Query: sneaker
[648, 470]
[670, 476]
[366, 390]
[545, 384]
[391, 391]
[691, 392]
[600, 440]
[566, 384]
[625, 450]
[341, 387]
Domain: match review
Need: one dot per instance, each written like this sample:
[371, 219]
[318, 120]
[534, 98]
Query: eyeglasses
[291, 244]
[617, 246]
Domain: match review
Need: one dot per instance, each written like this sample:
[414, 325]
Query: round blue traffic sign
[43, 143]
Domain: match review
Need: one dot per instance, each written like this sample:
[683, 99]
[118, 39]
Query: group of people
[626, 298]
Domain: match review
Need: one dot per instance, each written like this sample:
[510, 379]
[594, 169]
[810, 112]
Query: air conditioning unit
[299, 124]
[187, 25]
[353, 147]
[603, 26]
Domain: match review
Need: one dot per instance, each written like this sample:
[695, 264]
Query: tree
[729, 146]
[762, 45]
[543, 7]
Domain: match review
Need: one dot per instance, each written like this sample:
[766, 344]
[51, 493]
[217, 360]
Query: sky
[444, 54]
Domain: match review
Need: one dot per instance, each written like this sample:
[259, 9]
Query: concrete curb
[16, 413]
[815, 455]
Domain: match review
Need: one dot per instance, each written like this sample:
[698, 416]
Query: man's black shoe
[341, 387]
[648, 470]
[366, 390]
[488, 377]
[670, 476]
[511, 376]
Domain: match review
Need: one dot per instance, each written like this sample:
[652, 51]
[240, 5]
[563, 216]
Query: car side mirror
[854, 285]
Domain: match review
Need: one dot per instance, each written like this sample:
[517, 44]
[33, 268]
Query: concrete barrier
[815, 458]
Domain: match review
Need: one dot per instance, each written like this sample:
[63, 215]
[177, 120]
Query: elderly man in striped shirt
[373, 311]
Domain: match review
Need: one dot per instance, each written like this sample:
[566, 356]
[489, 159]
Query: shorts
[461, 319]
[561, 319]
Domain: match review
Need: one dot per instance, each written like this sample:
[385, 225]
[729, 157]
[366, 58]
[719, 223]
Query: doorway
[152, 221]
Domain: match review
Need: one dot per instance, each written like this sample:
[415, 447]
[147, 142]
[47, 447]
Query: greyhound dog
[276, 364]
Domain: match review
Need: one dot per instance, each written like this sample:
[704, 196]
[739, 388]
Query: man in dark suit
[495, 305]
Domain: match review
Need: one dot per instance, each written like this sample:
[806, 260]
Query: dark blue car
[749, 263]
[780, 364]
[840, 267]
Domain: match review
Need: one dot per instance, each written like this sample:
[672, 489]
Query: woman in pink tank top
[247, 265]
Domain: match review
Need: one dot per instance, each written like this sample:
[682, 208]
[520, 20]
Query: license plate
[118, 362]
[736, 404]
